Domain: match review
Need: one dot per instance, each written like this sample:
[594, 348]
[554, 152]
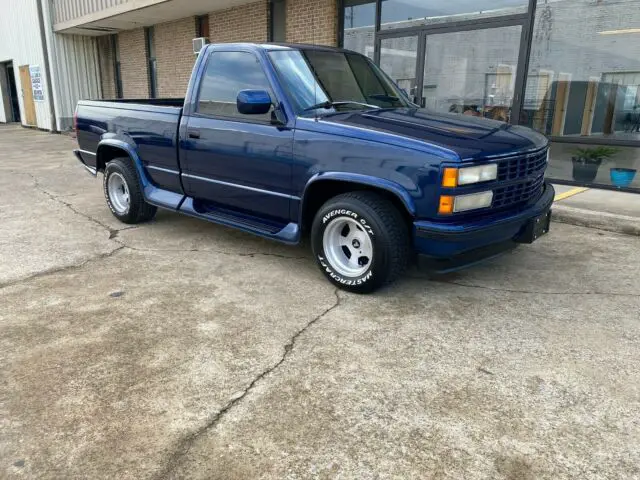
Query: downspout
[47, 68]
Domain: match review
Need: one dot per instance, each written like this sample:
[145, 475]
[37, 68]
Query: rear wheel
[124, 194]
[360, 241]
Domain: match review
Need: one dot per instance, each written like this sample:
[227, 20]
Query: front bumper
[466, 243]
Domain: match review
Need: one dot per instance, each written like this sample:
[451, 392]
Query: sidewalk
[603, 209]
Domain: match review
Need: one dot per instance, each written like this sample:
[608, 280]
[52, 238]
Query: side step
[288, 233]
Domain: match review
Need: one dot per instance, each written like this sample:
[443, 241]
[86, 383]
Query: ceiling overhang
[141, 13]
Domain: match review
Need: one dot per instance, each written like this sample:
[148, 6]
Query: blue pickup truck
[294, 141]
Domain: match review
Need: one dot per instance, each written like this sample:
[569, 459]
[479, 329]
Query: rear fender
[152, 194]
[131, 153]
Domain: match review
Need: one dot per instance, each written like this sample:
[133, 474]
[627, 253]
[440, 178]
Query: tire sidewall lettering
[340, 279]
[344, 212]
[324, 263]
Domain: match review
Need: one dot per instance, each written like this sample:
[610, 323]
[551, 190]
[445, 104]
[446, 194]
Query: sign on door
[36, 83]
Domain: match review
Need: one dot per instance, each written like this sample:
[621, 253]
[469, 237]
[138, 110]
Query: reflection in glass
[398, 60]
[472, 72]
[595, 164]
[584, 70]
[359, 24]
[409, 13]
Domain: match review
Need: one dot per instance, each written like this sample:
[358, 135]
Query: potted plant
[586, 162]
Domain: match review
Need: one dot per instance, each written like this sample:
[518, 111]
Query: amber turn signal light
[446, 205]
[450, 177]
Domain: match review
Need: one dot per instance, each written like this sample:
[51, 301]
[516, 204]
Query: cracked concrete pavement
[181, 349]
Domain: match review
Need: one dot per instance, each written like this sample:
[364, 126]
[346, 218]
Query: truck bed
[150, 126]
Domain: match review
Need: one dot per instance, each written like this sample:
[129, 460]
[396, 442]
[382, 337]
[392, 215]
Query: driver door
[238, 161]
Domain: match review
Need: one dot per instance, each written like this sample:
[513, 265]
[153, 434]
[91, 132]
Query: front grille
[522, 166]
[524, 175]
[517, 193]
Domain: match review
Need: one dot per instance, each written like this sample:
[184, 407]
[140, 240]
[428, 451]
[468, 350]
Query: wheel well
[106, 153]
[319, 192]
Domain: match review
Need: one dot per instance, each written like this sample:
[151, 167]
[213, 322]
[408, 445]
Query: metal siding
[65, 10]
[77, 74]
[74, 72]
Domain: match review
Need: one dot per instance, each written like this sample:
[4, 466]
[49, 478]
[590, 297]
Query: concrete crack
[61, 269]
[533, 292]
[113, 232]
[208, 250]
[187, 442]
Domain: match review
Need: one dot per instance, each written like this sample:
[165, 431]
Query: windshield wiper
[329, 104]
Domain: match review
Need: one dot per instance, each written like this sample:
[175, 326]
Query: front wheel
[360, 241]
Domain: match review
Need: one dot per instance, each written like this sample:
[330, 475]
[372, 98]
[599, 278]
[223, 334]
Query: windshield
[314, 77]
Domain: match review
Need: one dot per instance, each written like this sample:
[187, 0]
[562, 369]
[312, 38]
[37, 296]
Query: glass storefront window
[411, 13]
[583, 78]
[398, 60]
[584, 69]
[472, 72]
[595, 164]
[359, 17]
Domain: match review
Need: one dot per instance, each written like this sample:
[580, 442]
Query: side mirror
[253, 102]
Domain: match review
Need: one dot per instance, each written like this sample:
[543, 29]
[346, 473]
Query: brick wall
[247, 23]
[312, 21]
[107, 74]
[308, 21]
[174, 56]
[133, 63]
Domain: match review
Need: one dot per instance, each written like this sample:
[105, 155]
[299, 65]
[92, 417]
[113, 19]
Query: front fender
[374, 182]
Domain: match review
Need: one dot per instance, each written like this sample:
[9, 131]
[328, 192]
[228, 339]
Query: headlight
[483, 173]
[461, 203]
[453, 177]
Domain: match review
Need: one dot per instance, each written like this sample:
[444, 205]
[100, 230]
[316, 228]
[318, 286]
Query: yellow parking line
[569, 193]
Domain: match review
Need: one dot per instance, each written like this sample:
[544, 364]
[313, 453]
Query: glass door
[472, 72]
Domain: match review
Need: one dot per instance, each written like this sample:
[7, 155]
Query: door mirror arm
[277, 116]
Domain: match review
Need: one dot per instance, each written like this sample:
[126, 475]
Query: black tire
[138, 210]
[384, 226]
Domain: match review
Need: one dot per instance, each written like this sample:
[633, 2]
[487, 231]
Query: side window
[226, 74]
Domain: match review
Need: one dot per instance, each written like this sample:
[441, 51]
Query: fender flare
[131, 152]
[392, 187]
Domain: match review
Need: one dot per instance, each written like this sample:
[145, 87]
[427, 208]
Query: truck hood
[471, 138]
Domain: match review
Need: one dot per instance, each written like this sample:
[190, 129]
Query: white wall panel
[20, 42]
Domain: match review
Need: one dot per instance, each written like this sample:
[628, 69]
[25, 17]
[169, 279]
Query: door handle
[193, 133]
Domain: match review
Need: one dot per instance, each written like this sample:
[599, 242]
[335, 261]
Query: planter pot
[622, 177]
[584, 172]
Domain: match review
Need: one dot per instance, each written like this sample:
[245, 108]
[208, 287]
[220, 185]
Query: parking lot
[182, 349]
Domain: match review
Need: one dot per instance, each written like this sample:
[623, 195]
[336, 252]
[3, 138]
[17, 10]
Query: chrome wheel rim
[118, 193]
[347, 247]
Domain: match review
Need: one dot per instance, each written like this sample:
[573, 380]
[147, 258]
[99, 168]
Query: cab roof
[286, 46]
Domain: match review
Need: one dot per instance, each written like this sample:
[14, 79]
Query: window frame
[242, 118]
[152, 63]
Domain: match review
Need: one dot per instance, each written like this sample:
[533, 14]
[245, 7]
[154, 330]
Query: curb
[600, 220]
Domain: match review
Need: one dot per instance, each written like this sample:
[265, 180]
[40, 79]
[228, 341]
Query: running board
[289, 233]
